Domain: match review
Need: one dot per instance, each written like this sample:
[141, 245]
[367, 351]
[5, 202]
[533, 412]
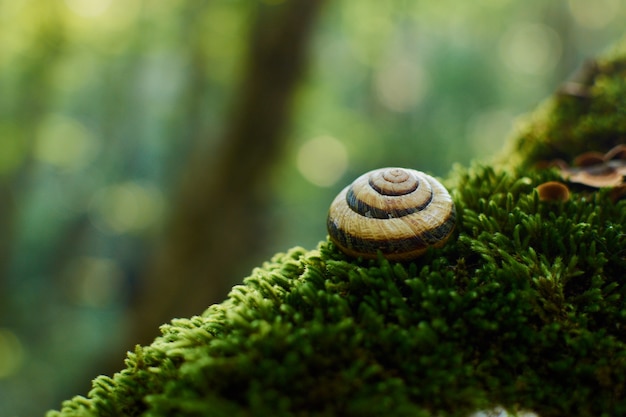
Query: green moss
[524, 308]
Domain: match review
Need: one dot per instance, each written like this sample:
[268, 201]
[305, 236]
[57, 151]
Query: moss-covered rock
[586, 114]
[524, 308]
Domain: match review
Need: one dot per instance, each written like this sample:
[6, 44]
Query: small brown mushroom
[553, 191]
[617, 152]
[588, 159]
[597, 176]
[595, 169]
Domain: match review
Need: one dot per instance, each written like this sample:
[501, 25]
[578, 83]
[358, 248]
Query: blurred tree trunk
[213, 224]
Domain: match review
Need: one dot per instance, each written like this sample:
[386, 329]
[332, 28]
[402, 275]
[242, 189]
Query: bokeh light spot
[88, 8]
[64, 143]
[595, 14]
[11, 353]
[401, 85]
[126, 207]
[322, 160]
[530, 48]
[95, 282]
[103, 26]
[487, 130]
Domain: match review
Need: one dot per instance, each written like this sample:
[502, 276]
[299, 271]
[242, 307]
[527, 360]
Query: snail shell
[400, 212]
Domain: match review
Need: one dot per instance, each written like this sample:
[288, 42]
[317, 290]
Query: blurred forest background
[153, 152]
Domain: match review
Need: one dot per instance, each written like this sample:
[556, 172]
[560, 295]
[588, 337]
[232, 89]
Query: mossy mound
[524, 308]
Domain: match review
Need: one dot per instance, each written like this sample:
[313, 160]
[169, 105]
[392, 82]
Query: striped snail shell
[399, 212]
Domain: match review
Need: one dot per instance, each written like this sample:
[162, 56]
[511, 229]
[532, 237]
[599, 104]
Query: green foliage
[524, 309]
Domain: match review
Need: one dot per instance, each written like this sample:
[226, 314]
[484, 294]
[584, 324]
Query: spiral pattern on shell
[400, 212]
